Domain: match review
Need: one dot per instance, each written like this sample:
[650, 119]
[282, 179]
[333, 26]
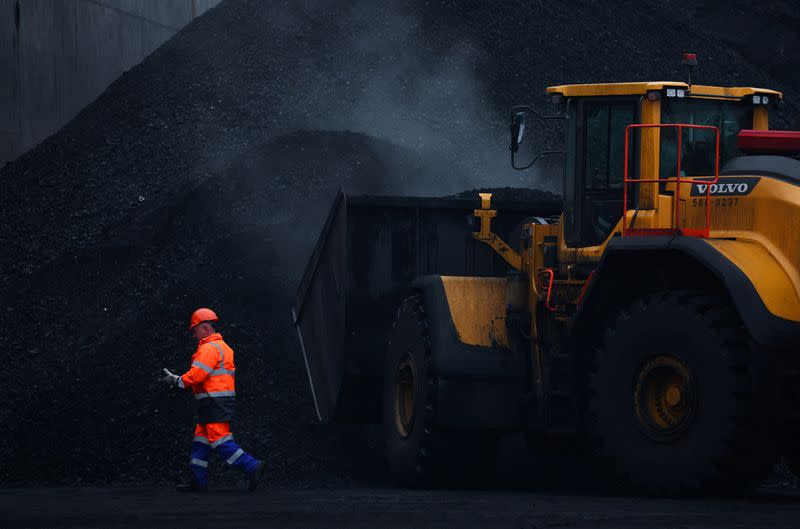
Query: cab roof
[641, 88]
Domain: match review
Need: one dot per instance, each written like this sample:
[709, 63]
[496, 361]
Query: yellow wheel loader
[653, 313]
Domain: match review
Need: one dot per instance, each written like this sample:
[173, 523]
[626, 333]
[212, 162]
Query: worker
[211, 379]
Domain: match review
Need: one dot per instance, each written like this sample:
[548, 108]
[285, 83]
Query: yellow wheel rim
[664, 398]
[405, 395]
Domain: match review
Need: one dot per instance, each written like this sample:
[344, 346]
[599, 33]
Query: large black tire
[791, 450]
[793, 463]
[672, 404]
[406, 409]
[417, 453]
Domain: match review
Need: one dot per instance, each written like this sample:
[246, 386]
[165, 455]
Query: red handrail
[677, 179]
[585, 288]
[549, 288]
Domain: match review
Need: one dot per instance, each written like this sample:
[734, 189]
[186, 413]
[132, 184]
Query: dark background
[202, 176]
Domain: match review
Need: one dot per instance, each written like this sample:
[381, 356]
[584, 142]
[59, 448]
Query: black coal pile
[521, 194]
[95, 325]
[764, 33]
[202, 177]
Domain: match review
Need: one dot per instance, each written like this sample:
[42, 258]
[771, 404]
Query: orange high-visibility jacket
[211, 378]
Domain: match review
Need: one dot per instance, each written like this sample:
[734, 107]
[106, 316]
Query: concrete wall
[56, 56]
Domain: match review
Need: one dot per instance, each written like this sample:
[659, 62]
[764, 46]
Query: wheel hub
[405, 395]
[664, 400]
[673, 396]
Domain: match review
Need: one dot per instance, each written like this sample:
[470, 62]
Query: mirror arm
[537, 114]
[543, 153]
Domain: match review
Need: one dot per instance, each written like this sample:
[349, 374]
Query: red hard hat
[202, 315]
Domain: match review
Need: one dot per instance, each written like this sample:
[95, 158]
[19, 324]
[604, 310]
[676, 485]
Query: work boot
[191, 487]
[256, 475]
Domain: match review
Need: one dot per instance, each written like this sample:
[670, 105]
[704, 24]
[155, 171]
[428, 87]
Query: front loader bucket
[320, 310]
[369, 253]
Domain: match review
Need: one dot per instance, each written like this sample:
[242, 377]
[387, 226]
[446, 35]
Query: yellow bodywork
[765, 273]
[755, 231]
[626, 89]
[478, 309]
[486, 235]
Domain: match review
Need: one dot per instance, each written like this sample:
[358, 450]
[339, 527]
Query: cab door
[595, 168]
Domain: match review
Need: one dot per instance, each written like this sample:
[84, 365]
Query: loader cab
[597, 116]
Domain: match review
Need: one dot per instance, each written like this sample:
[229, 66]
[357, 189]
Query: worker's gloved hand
[170, 378]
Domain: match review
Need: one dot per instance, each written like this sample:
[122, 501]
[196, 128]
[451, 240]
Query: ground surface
[383, 508]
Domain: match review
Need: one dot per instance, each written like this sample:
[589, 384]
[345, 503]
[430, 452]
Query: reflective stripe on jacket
[211, 378]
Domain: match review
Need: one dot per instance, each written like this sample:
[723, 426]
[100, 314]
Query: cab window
[605, 130]
[698, 145]
[603, 161]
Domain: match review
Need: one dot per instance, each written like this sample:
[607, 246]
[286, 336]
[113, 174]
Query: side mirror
[519, 117]
[517, 130]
